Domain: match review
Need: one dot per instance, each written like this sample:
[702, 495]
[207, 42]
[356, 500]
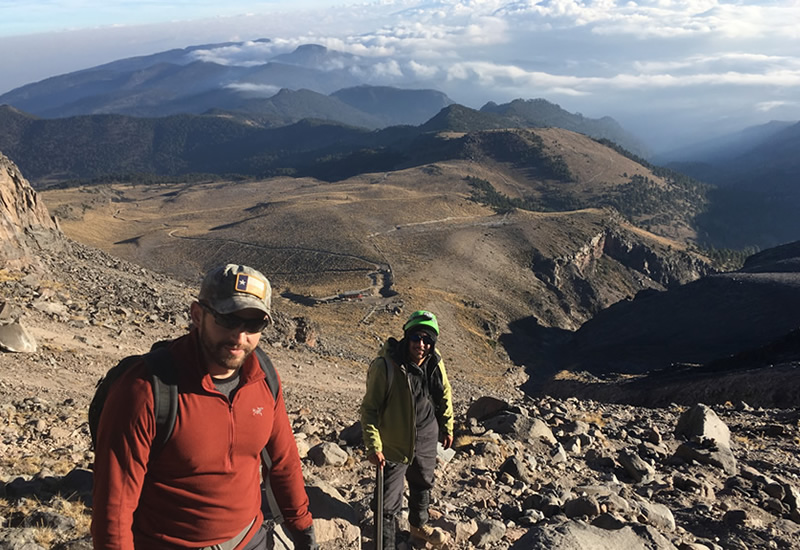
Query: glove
[305, 539]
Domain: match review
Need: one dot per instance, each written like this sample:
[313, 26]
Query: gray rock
[692, 485]
[489, 532]
[573, 445]
[575, 535]
[652, 435]
[508, 422]
[701, 421]
[514, 467]
[794, 515]
[55, 309]
[775, 505]
[548, 503]
[735, 517]
[19, 539]
[6, 313]
[540, 431]
[606, 497]
[303, 446]
[327, 454]
[609, 521]
[530, 517]
[334, 518]
[791, 496]
[461, 530]
[558, 454]
[635, 466]
[657, 515]
[14, 337]
[585, 505]
[775, 490]
[49, 520]
[352, 435]
[486, 407]
[721, 457]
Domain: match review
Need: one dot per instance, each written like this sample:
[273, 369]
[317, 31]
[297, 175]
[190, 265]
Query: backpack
[165, 400]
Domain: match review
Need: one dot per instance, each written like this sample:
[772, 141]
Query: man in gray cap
[200, 488]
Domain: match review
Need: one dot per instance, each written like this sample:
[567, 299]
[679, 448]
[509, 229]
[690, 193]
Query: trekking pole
[379, 508]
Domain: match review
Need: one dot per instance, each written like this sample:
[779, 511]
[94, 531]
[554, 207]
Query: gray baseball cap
[229, 288]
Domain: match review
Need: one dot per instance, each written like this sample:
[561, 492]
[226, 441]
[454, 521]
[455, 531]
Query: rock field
[526, 472]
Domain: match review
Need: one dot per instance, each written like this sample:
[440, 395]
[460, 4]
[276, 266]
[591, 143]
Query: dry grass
[9, 275]
[316, 239]
[462, 441]
[46, 537]
[28, 465]
[595, 418]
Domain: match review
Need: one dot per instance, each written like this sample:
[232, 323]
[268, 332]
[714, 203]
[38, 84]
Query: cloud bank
[667, 70]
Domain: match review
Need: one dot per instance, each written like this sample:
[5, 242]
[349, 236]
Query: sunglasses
[230, 321]
[421, 337]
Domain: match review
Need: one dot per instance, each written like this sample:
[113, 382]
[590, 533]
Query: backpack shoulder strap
[389, 375]
[271, 378]
[270, 374]
[165, 393]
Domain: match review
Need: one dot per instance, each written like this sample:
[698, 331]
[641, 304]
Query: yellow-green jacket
[388, 420]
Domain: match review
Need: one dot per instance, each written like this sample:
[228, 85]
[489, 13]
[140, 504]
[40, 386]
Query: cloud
[260, 90]
[490, 75]
[423, 71]
[389, 69]
[675, 59]
[767, 106]
[248, 54]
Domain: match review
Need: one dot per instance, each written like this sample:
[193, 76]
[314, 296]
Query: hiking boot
[432, 535]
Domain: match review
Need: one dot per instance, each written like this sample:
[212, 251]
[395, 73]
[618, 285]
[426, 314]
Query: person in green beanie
[407, 409]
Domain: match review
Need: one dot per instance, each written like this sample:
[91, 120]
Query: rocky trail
[526, 472]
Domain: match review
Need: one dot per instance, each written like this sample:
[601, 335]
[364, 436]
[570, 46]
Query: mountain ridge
[186, 81]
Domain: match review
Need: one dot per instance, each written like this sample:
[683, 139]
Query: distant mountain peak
[317, 57]
[542, 113]
[307, 48]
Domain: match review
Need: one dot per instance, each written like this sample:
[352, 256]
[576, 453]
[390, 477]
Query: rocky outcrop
[662, 265]
[702, 321]
[554, 270]
[25, 224]
[587, 272]
[667, 267]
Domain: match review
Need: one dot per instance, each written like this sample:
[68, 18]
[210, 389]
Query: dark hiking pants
[420, 476]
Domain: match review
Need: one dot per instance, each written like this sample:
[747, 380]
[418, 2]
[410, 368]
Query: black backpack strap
[165, 393]
[389, 364]
[275, 510]
[270, 374]
[271, 378]
[389, 375]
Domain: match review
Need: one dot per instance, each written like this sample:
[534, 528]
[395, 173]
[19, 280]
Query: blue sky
[18, 17]
[668, 70]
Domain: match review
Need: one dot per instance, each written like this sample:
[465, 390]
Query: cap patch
[251, 285]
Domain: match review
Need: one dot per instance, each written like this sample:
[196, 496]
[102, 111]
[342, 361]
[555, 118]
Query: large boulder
[25, 224]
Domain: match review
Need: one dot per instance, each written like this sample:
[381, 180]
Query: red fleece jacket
[202, 488]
